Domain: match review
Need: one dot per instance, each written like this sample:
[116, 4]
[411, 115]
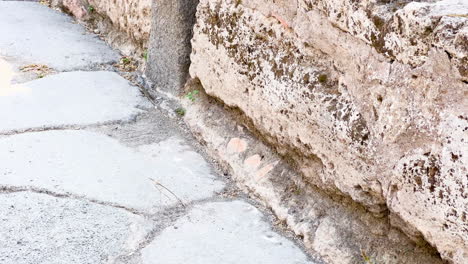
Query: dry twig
[167, 189]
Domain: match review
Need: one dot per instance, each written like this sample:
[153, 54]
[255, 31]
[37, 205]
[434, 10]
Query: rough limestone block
[125, 24]
[367, 98]
[335, 228]
[169, 52]
[132, 17]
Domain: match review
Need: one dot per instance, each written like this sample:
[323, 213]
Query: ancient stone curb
[333, 228]
[260, 62]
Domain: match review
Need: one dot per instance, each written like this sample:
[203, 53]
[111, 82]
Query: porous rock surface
[126, 23]
[366, 98]
[333, 227]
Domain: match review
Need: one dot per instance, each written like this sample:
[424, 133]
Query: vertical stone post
[169, 46]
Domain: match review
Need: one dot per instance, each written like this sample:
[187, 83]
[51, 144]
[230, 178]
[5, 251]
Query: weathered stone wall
[366, 98]
[126, 24]
[334, 228]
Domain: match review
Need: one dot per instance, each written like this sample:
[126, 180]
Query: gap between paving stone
[170, 217]
[159, 221]
[19, 189]
[170, 220]
[101, 168]
[70, 99]
[102, 127]
[173, 213]
[95, 126]
[234, 231]
[33, 34]
[27, 40]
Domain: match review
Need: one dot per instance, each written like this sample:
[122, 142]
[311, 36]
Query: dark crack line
[169, 217]
[131, 120]
[67, 195]
[161, 222]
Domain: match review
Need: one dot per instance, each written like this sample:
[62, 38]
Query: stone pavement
[91, 172]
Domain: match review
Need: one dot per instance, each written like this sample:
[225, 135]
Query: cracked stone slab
[38, 228]
[222, 232]
[37, 34]
[71, 98]
[97, 167]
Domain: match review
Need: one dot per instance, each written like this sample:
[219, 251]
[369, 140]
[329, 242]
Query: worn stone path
[91, 172]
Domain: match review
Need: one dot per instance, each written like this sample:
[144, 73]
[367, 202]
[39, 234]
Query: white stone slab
[37, 228]
[72, 98]
[37, 34]
[99, 167]
[223, 232]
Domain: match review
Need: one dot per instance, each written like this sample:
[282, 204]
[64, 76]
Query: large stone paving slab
[37, 34]
[222, 232]
[71, 98]
[97, 167]
[38, 228]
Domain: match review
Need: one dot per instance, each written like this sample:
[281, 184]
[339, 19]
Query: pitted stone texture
[66, 99]
[402, 30]
[223, 232]
[133, 17]
[97, 167]
[38, 228]
[353, 119]
[78, 8]
[39, 35]
[169, 54]
[332, 226]
[125, 24]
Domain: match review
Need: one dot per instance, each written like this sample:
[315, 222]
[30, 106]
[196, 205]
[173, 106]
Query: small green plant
[125, 60]
[192, 95]
[126, 64]
[180, 111]
[145, 55]
[366, 258]
[91, 8]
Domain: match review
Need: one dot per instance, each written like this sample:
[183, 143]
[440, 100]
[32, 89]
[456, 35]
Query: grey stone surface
[223, 232]
[97, 167]
[90, 173]
[72, 98]
[38, 228]
[169, 48]
[41, 35]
